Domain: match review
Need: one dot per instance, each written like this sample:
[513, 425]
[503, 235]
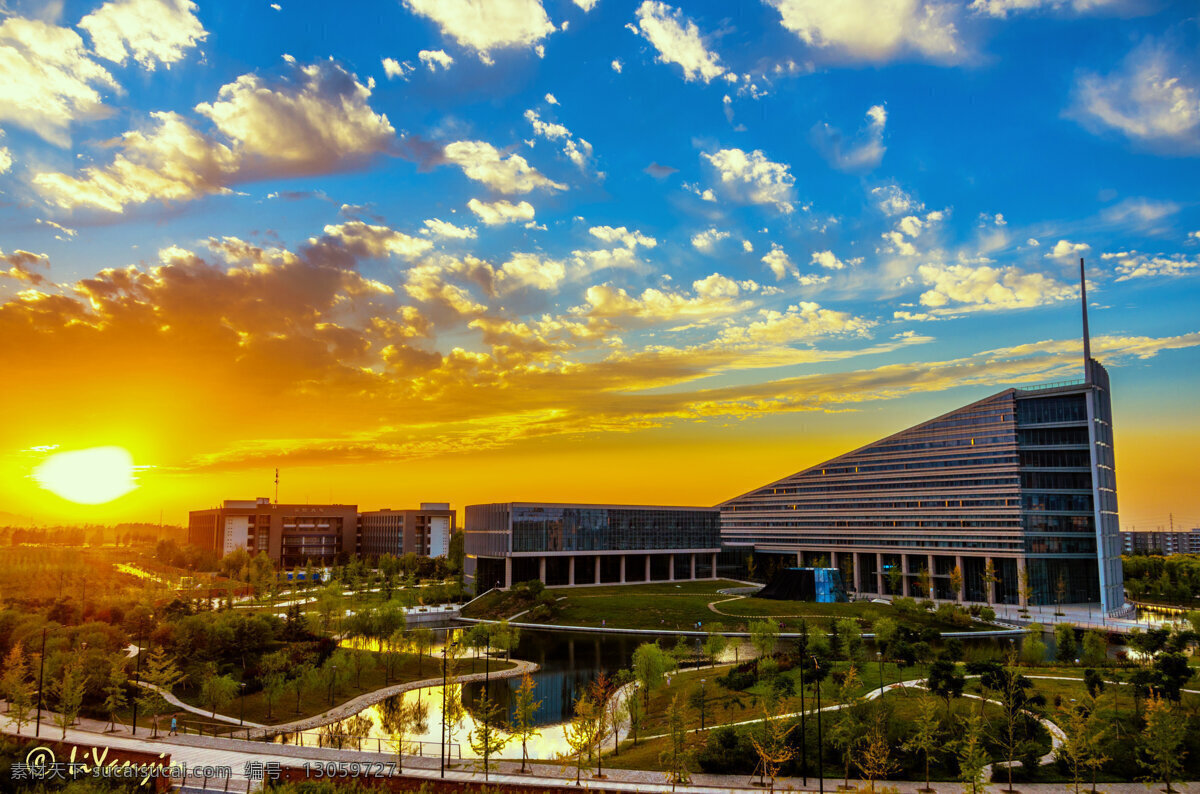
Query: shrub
[987, 613]
[728, 751]
[905, 605]
[738, 680]
[928, 605]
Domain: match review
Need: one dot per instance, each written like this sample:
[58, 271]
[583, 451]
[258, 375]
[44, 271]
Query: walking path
[177, 703]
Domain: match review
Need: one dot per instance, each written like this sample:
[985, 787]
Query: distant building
[291, 535]
[1183, 542]
[1023, 481]
[576, 544]
[425, 532]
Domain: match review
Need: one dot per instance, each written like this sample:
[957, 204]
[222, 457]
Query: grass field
[681, 605]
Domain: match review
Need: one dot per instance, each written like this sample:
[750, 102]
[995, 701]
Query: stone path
[176, 702]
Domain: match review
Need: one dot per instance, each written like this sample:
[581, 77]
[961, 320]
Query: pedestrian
[174, 727]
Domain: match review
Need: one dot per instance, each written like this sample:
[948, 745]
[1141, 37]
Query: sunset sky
[466, 251]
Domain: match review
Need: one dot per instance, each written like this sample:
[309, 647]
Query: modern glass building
[1016, 492]
[576, 544]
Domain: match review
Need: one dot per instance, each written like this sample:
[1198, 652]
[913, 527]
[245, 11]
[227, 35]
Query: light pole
[332, 683]
[37, 731]
[803, 728]
[242, 712]
[879, 656]
[820, 765]
[702, 702]
[137, 685]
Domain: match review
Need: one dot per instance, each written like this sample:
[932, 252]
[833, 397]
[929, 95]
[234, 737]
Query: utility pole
[276, 486]
[37, 732]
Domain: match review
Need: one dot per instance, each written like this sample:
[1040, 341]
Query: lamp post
[803, 728]
[242, 711]
[137, 685]
[820, 766]
[879, 656]
[332, 683]
[702, 702]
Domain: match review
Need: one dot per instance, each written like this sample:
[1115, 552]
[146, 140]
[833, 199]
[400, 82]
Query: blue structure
[822, 585]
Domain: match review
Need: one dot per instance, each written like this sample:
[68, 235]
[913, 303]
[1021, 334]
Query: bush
[728, 751]
[905, 605]
[988, 614]
[738, 680]
[928, 605]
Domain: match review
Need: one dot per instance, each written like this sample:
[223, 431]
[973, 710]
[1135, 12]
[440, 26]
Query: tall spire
[1087, 337]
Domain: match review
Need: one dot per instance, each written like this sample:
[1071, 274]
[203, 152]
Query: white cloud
[577, 150]
[6, 160]
[1067, 250]
[677, 40]
[440, 228]
[827, 260]
[779, 262]
[63, 232]
[864, 153]
[801, 322]
[706, 240]
[551, 99]
[964, 287]
[1002, 8]
[747, 246]
[531, 270]
[369, 241]
[496, 213]
[1194, 235]
[434, 59]
[1151, 99]
[1131, 264]
[630, 239]
[47, 79]
[812, 280]
[875, 30]
[482, 162]
[487, 25]
[1140, 213]
[753, 177]
[616, 65]
[152, 31]
[316, 119]
[894, 201]
[393, 68]
[1033, 242]
[586, 5]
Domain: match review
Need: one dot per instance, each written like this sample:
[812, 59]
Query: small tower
[1087, 337]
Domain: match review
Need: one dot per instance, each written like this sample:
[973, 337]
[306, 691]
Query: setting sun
[88, 476]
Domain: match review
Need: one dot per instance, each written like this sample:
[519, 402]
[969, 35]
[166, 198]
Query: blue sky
[499, 226]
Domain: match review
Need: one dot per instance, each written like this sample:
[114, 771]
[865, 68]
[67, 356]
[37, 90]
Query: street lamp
[803, 728]
[446, 647]
[820, 766]
[332, 683]
[242, 712]
[702, 701]
[37, 731]
[137, 686]
[879, 656]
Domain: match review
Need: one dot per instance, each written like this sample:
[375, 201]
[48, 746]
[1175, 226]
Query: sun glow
[88, 476]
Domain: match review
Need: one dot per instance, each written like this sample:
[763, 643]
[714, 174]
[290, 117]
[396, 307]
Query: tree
[328, 602]
[925, 583]
[874, 759]
[525, 709]
[926, 736]
[422, 642]
[216, 691]
[636, 708]
[1161, 742]
[580, 733]
[852, 642]
[161, 675]
[406, 718]
[1083, 735]
[895, 580]
[17, 686]
[1010, 687]
[988, 579]
[599, 692]
[68, 694]
[945, 681]
[1033, 650]
[956, 582]
[650, 664]
[1064, 639]
[115, 694]
[303, 676]
[715, 642]
[972, 757]
[847, 728]
[769, 739]
[1095, 647]
[1026, 587]
[764, 636]
[487, 739]
[673, 761]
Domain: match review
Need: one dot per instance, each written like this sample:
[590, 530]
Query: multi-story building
[291, 535]
[1018, 487]
[576, 544]
[425, 532]
[1182, 542]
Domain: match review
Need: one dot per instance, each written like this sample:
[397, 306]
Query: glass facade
[547, 528]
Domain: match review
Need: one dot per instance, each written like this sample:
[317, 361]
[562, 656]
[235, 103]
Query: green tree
[17, 685]
[926, 737]
[1064, 639]
[673, 761]
[852, 643]
[636, 708]
[956, 582]
[764, 636]
[216, 691]
[303, 677]
[116, 696]
[422, 643]
[988, 579]
[1033, 650]
[1095, 647]
[972, 755]
[525, 710]
[945, 681]
[874, 758]
[650, 664]
[715, 641]
[580, 733]
[1162, 742]
[161, 676]
[488, 738]
[599, 692]
[769, 738]
[847, 729]
[1083, 737]
[68, 694]
[407, 718]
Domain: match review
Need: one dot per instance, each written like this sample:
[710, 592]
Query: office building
[425, 532]
[1160, 542]
[291, 535]
[1023, 480]
[576, 544]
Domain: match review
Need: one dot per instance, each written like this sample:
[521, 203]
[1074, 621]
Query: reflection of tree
[455, 712]
[340, 734]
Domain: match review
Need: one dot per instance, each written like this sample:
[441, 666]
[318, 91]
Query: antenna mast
[1087, 337]
[277, 481]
